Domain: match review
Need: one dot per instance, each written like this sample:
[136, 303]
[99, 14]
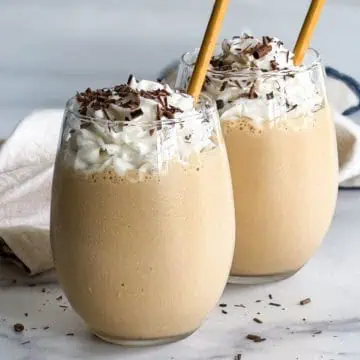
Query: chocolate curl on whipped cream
[261, 51]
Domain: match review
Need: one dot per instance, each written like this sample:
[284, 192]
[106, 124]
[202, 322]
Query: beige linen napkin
[26, 166]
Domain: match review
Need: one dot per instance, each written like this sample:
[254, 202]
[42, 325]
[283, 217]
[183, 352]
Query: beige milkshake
[142, 209]
[282, 151]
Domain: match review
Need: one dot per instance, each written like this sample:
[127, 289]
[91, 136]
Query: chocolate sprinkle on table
[274, 304]
[257, 301]
[305, 301]
[258, 321]
[224, 312]
[255, 338]
[238, 357]
[46, 327]
[59, 298]
[25, 342]
[223, 305]
[252, 92]
[240, 305]
[18, 327]
[26, 314]
[70, 334]
[270, 296]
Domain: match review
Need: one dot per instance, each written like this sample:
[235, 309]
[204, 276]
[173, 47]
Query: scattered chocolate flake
[18, 327]
[130, 79]
[59, 298]
[31, 285]
[26, 314]
[223, 86]
[46, 327]
[258, 313]
[33, 328]
[303, 319]
[220, 104]
[238, 357]
[151, 132]
[274, 65]
[291, 108]
[257, 301]
[25, 342]
[252, 92]
[224, 312]
[223, 305]
[274, 304]
[240, 305]
[122, 284]
[258, 321]
[261, 51]
[187, 137]
[63, 306]
[287, 56]
[305, 301]
[317, 332]
[270, 296]
[255, 338]
[270, 96]
[266, 40]
[136, 113]
[237, 83]
[43, 290]
[70, 334]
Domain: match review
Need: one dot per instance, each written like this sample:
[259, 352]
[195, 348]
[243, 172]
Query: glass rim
[256, 72]
[207, 107]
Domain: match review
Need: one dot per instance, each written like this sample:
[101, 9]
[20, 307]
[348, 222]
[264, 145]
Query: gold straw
[207, 48]
[307, 29]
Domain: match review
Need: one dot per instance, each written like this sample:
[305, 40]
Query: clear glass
[284, 166]
[135, 251]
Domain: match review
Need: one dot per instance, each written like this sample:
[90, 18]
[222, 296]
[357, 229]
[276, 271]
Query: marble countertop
[328, 328]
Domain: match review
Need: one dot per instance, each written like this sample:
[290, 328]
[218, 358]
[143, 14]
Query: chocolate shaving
[25, 342]
[70, 334]
[223, 86]
[151, 132]
[274, 65]
[287, 56]
[237, 83]
[252, 92]
[258, 321]
[19, 327]
[224, 312]
[305, 301]
[261, 51]
[130, 79]
[270, 296]
[223, 305]
[270, 96]
[136, 113]
[255, 338]
[291, 108]
[59, 298]
[220, 104]
[274, 304]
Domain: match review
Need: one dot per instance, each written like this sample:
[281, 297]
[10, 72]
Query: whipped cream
[135, 126]
[257, 79]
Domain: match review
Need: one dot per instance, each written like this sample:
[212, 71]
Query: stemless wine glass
[145, 256]
[283, 161]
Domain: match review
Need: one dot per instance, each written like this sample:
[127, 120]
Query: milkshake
[142, 209]
[282, 151]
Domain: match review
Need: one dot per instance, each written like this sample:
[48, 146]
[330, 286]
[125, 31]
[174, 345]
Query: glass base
[259, 279]
[141, 342]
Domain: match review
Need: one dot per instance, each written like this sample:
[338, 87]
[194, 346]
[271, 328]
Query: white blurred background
[51, 48]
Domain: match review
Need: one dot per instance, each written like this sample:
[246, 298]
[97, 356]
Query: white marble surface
[50, 49]
[331, 279]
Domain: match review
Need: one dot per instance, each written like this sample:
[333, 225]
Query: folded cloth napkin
[26, 166]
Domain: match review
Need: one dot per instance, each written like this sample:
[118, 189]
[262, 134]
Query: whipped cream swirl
[257, 79]
[135, 126]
